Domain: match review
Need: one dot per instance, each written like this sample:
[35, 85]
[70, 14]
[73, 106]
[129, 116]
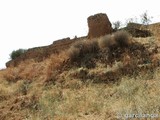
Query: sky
[32, 23]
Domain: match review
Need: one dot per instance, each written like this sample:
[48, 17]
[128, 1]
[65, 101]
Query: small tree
[17, 53]
[145, 19]
[116, 25]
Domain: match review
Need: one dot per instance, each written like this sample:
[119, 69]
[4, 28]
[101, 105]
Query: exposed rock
[138, 30]
[99, 25]
[61, 41]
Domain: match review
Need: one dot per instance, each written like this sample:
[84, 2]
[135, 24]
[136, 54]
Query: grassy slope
[38, 91]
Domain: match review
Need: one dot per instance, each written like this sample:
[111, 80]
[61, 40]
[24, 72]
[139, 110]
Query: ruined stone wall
[99, 25]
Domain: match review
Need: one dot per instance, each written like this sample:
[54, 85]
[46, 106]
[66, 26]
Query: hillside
[111, 77]
[41, 53]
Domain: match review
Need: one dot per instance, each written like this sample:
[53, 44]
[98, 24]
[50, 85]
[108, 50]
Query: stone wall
[99, 25]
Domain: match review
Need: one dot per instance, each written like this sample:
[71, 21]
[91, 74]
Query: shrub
[73, 53]
[17, 53]
[122, 38]
[90, 46]
[106, 41]
[81, 48]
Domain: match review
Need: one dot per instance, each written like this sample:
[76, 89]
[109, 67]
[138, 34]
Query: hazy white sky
[31, 23]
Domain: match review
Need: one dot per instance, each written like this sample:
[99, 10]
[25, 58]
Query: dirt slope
[86, 81]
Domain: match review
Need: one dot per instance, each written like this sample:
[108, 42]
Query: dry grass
[54, 65]
[136, 97]
[99, 101]
[31, 72]
[74, 99]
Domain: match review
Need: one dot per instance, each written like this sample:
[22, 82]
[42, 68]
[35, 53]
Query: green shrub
[17, 53]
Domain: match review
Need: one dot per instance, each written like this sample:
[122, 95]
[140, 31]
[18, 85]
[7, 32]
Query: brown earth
[40, 53]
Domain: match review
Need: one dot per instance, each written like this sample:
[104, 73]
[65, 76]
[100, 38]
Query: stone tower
[99, 25]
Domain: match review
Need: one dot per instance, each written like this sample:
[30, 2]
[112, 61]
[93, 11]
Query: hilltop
[99, 76]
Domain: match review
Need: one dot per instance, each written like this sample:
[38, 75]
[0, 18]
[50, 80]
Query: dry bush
[122, 38]
[91, 46]
[73, 53]
[118, 39]
[106, 41]
[80, 48]
[86, 46]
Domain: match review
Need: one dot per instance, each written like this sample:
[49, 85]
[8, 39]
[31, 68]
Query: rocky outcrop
[99, 25]
[138, 30]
